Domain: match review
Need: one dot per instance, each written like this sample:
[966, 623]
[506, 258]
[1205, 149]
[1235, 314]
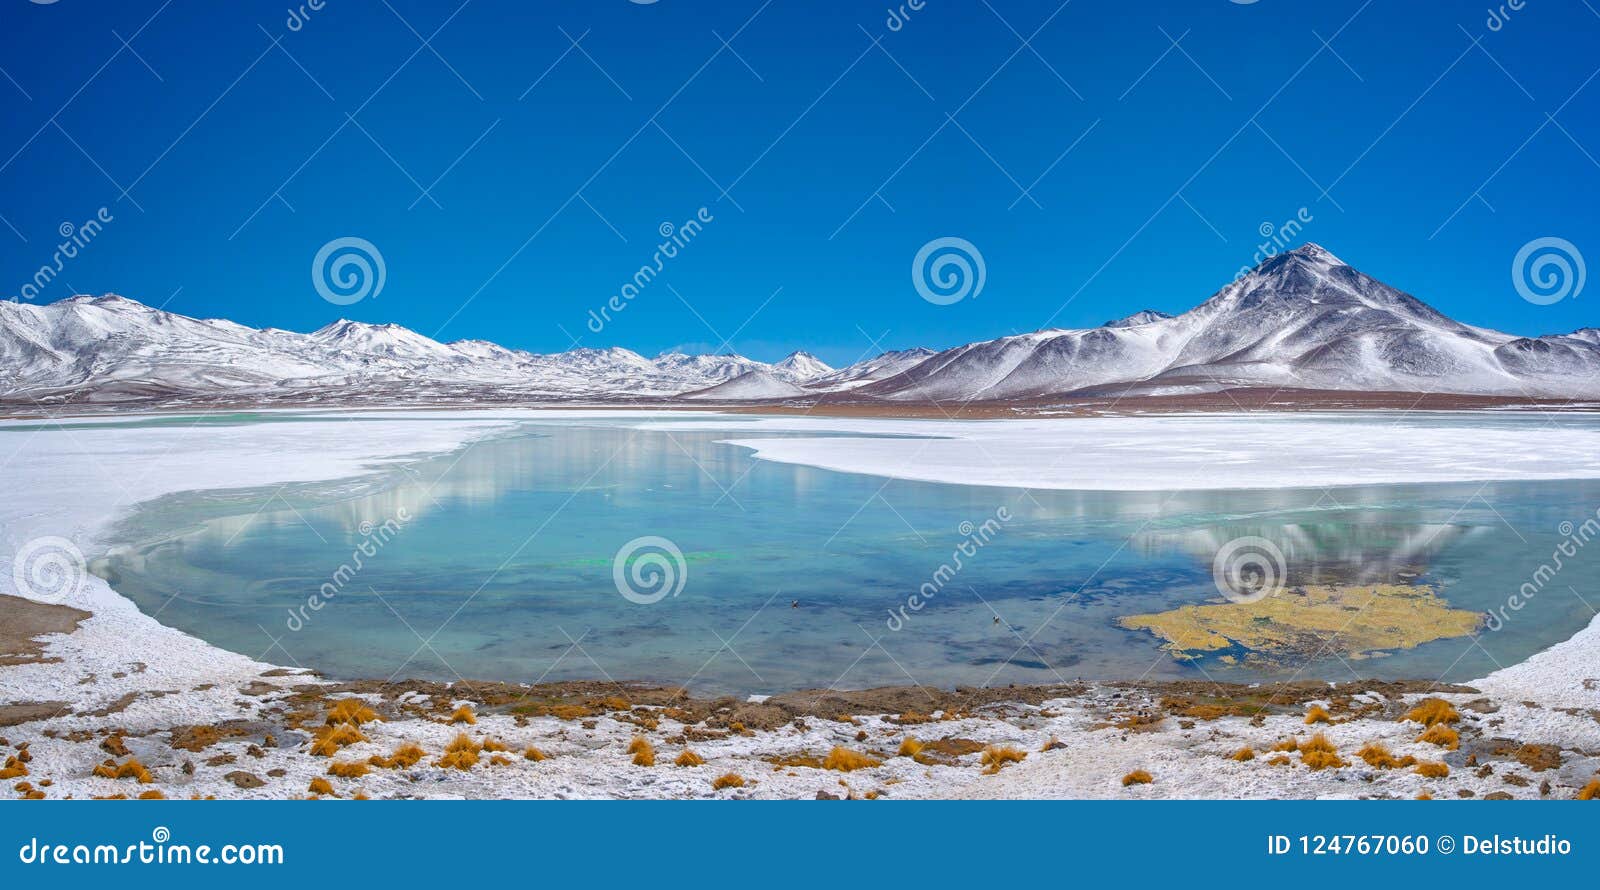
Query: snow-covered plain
[1184, 452]
[73, 482]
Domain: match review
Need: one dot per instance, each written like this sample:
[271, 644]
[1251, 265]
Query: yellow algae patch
[1353, 621]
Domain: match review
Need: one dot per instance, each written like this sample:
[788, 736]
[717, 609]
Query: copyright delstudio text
[1416, 845]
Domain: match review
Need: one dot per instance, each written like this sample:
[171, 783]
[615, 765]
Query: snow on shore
[1184, 452]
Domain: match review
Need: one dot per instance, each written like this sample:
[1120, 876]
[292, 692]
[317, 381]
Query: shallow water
[496, 562]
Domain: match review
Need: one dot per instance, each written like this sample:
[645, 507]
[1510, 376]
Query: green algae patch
[1353, 621]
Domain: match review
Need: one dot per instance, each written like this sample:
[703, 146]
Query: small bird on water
[794, 604]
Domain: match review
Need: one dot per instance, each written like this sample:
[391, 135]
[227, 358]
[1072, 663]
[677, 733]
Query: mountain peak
[1143, 316]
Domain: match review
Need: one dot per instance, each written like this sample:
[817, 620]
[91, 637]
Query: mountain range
[1302, 319]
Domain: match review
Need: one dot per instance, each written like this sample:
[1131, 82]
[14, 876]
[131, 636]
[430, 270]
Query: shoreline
[117, 680]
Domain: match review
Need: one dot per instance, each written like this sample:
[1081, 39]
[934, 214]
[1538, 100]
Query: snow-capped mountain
[108, 349]
[1303, 319]
[798, 367]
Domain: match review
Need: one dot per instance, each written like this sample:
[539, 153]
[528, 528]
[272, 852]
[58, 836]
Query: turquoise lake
[496, 562]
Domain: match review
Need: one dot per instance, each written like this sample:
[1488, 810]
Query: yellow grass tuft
[1137, 777]
[644, 753]
[731, 780]
[998, 757]
[499, 760]
[909, 747]
[534, 754]
[844, 760]
[14, 769]
[1318, 714]
[331, 738]
[1424, 796]
[689, 758]
[464, 714]
[319, 785]
[1319, 753]
[127, 769]
[1432, 710]
[1280, 760]
[351, 710]
[1590, 791]
[405, 756]
[495, 746]
[1318, 743]
[1377, 756]
[1290, 744]
[1321, 759]
[1432, 770]
[461, 753]
[1441, 735]
[1242, 755]
[353, 769]
[152, 794]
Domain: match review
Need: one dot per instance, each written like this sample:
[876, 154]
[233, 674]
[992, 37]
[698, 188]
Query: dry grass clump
[845, 760]
[1321, 759]
[331, 738]
[998, 757]
[1280, 760]
[644, 753]
[351, 710]
[127, 769]
[352, 769]
[495, 746]
[1590, 791]
[1432, 710]
[113, 745]
[909, 747]
[14, 769]
[499, 760]
[1432, 770]
[152, 794]
[1290, 745]
[405, 756]
[1424, 796]
[464, 714]
[1319, 753]
[731, 780]
[911, 718]
[1242, 755]
[1377, 756]
[1442, 735]
[1137, 777]
[689, 758]
[1318, 714]
[534, 754]
[461, 753]
[319, 785]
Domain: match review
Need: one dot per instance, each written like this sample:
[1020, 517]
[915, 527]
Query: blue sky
[513, 183]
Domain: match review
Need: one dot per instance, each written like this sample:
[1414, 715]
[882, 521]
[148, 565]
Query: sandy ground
[90, 682]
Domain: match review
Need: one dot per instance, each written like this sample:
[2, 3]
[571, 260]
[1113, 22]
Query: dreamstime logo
[1573, 539]
[948, 270]
[373, 539]
[1248, 569]
[74, 240]
[675, 239]
[974, 537]
[348, 270]
[48, 569]
[1548, 270]
[649, 569]
[1275, 239]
